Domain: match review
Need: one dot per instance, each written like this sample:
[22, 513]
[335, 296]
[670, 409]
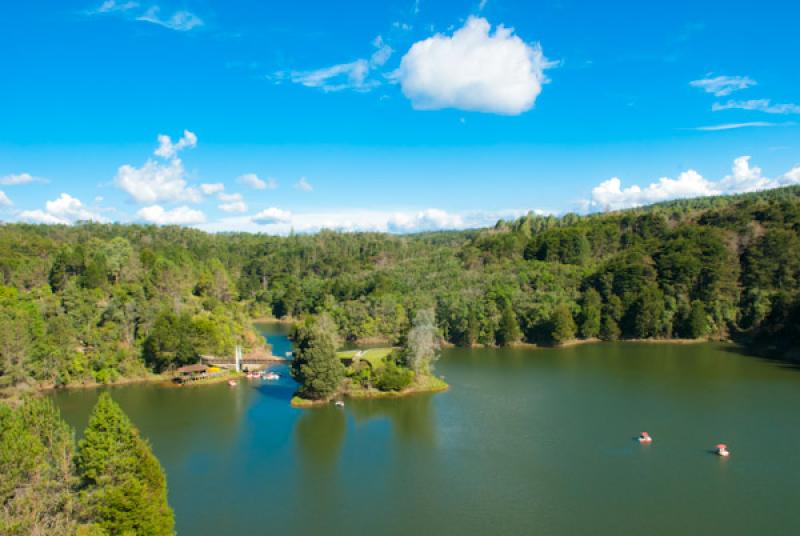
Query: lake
[525, 442]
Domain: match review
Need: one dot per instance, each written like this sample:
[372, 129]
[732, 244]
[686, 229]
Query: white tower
[238, 358]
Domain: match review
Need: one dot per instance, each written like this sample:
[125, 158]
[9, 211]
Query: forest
[101, 302]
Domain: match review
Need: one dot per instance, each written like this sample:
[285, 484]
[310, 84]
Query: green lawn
[374, 356]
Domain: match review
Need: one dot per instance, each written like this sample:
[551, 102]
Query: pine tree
[124, 489]
[316, 367]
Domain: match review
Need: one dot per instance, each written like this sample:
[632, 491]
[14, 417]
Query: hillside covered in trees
[97, 302]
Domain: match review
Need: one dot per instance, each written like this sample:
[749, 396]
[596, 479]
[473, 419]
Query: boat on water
[232, 383]
[722, 450]
[271, 376]
[339, 404]
[644, 437]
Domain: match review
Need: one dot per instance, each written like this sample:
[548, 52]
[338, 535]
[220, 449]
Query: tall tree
[123, 487]
[315, 366]
[423, 342]
[563, 325]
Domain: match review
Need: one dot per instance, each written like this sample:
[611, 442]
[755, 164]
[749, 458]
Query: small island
[325, 374]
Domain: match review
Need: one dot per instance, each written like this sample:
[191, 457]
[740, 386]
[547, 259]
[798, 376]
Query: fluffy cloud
[271, 216]
[21, 178]
[63, 210]
[177, 216]
[156, 181]
[303, 185]
[111, 6]
[181, 21]
[167, 149]
[721, 86]
[473, 69]
[213, 188]
[4, 200]
[759, 105]
[253, 181]
[610, 195]
[231, 203]
[353, 75]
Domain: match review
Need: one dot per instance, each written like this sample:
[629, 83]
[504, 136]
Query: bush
[394, 378]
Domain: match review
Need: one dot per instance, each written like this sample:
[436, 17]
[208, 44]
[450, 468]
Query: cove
[524, 442]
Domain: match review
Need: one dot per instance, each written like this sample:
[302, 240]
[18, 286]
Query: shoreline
[433, 384]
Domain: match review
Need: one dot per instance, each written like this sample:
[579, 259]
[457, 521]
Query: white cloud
[166, 149]
[155, 181]
[111, 6]
[4, 200]
[482, 4]
[271, 216]
[610, 195]
[277, 221]
[733, 126]
[177, 216]
[353, 75]
[212, 188]
[20, 178]
[63, 210]
[475, 70]
[759, 105]
[182, 21]
[232, 203]
[720, 86]
[303, 185]
[253, 181]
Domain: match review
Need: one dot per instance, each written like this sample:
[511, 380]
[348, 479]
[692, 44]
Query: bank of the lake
[523, 442]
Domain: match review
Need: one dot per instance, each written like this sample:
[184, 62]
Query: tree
[508, 331]
[123, 487]
[591, 313]
[316, 366]
[697, 323]
[563, 325]
[393, 377]
[36, 463]
[423, 343]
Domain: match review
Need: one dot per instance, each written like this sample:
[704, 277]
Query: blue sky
[395, 116]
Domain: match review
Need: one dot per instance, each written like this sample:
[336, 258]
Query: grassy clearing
[374, 356]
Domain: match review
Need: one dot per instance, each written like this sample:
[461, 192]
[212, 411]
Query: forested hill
[97, 302]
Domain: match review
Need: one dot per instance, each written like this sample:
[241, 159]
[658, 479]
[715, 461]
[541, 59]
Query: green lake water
[525, 442]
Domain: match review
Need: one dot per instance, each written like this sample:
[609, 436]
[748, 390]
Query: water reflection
[411, 417]
[319, 434]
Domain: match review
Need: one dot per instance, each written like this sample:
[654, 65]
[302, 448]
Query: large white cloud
[610, 195]
[177, 216]
[474, 69]
[156, 181]
[63, 210]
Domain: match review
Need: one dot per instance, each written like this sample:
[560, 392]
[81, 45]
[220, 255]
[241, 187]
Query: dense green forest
[96, 302]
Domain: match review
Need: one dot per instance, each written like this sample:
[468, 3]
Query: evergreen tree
[36, 464]
[315, 366]
[697, 323]
[123, 487]
[508, 331]
[563, 325]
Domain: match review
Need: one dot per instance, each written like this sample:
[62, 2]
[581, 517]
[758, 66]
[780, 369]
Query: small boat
[644, 437]
[722, 450]
[232, 383]
[271, 376]
[339, 404]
